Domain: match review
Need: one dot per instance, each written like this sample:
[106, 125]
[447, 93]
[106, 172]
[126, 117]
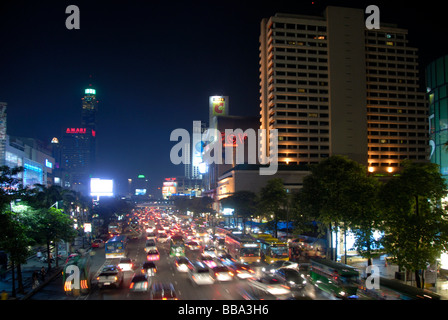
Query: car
[162, 238]
[210, 250]
[97, 243]
[208, 260]
[110, 276]
[199, 273]
[291, 277]
[241, 270]
[153, 255]
[150, 245]
[193, 245]
[126, 264]
[182, 264]
[149, 268]
[151, 235]
[280, 264]
[270, 284]
[222, 273]
[140, 283]
[163, 291]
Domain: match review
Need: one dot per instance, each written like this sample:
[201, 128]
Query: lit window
[389, 43]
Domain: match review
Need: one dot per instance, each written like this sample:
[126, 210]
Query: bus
[114, 228]
[222, 232]
[83, 264]
[338, 279]
[177, 246]
[272, 249]
[116, 247]
[243, 247]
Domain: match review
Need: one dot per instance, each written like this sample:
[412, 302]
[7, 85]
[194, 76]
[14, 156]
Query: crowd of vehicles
[212, 256]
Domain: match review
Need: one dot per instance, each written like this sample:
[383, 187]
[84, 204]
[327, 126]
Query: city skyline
[154, 67]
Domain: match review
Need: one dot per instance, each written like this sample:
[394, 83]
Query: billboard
[219, 106]
[101, 187]
[169, 187]
[140, 192]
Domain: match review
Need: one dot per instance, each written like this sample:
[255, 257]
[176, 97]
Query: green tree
[273, 200]
[15, 241]
[50, 225]
[335, 194]
[244, 204]
[415, 225]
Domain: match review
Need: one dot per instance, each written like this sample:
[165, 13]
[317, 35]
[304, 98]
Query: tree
[14, 238]
[273, 200]
[336, 194]
[415, 224]
[15, 241]
[244, 204]
[50, 225]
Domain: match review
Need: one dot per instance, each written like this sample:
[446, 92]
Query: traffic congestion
[157, 255]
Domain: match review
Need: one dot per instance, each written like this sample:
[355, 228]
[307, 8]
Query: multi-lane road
[237, 289]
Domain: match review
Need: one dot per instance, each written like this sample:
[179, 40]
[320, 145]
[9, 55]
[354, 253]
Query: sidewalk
[388, 271]
[32, 264]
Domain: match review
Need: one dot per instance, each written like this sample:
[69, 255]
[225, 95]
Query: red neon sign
[233, 139]
[76, 130]
[79, 130]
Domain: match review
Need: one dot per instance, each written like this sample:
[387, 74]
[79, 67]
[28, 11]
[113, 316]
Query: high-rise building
[89, 108]
[78, 148]
[76, 158]
[331, 86]
[437, 88]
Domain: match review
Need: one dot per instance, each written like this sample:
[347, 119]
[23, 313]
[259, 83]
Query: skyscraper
[331, 86]
[89, 108]
[78, 146]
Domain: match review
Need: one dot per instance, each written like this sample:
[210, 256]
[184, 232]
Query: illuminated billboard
[140, 192]
[101, 187]
[169, 187]
[219, 106]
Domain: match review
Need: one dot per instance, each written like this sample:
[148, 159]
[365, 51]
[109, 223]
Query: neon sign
[233, 140]
[79, 130]
[76, 130]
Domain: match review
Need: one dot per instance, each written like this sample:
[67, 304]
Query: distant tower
[89, 108]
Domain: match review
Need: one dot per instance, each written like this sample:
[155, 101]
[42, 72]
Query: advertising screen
[101, 187]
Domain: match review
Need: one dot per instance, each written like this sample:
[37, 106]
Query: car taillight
[231, 273]
[132, 285]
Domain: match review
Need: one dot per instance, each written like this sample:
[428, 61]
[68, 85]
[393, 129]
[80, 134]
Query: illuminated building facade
[77, 160]
[332, 87]
[437, 91]
[33, 156]
[77, 149]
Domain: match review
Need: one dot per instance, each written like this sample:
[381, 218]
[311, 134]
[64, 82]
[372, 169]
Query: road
[233, 290]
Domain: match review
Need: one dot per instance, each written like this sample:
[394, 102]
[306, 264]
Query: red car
[97, 243]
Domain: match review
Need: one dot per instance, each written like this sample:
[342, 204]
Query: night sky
[154, 64]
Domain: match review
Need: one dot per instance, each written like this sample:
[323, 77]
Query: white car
[222, 273]
[280, 264]
[270, 285]
[126, 264]
[182, 264]
[211, 251]
[199, 274]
